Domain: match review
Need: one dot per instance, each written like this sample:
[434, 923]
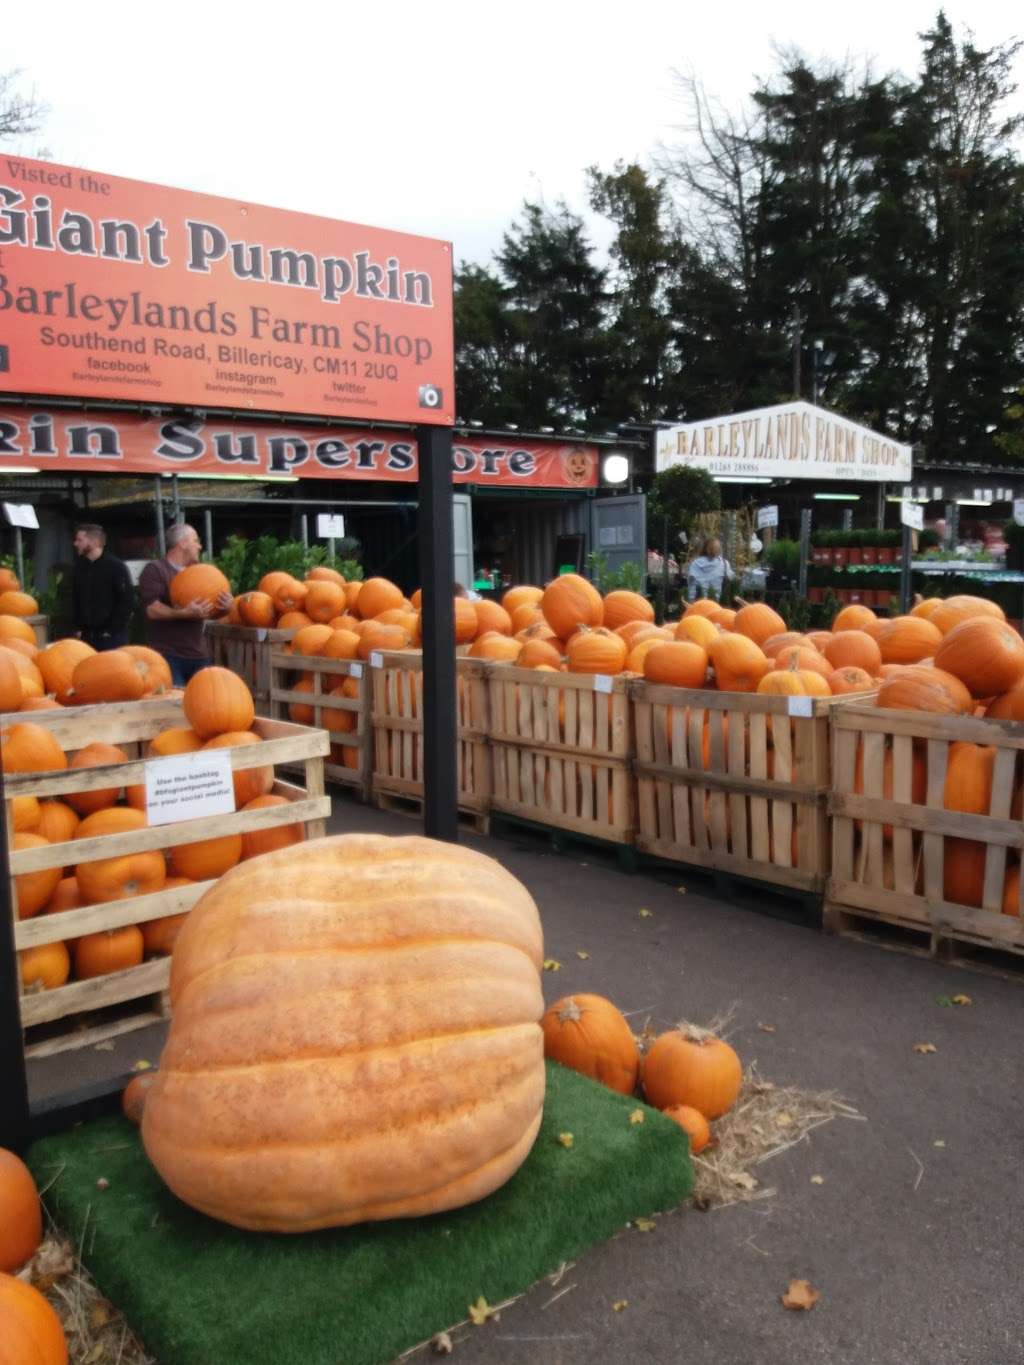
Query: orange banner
[114, 288]
[52, 441]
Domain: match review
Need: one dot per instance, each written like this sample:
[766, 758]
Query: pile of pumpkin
[220, 712]
[687, 1072]
[30, 1330]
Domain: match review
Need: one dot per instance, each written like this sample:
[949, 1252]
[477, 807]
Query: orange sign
[118, 289]
[55, 441]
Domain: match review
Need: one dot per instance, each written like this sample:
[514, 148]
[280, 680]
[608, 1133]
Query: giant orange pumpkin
[679, 663]
[596, 650]
[570, 602]
[21, 1216]
[29, 748]
[57, 664]
[33, 889]
[953, 610]
[217, 701]
[30, 1330]
[758, 622]
[248, 782]
[588, 1034]
[738, 663]
[203, 581]
[373, 597]
[112, 675]
[621, 606]
[408, 971]
[924, 688]
[690, 1066]
[987, 655]
[95, 755]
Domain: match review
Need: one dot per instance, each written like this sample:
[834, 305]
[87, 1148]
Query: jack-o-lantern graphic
[577, 466]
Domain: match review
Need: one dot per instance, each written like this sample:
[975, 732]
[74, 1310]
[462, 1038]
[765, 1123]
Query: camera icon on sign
[430, 396]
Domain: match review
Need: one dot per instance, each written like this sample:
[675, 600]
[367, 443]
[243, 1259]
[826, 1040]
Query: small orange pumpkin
[217, 701]
[924, 688]
[854, 648]
[21, 1219]
[491, 616]
[622, 605]
[311, 640]
[32, 1334]
[381, 638]
[596, 650]
[206, 859]
[522, 595]
[109, 950]
[677, 663]
[853, 617]
[248, 782]
[738, 662]
[758, 622]
[689, 1065]
[907, 640]
[951, 611]
[256, 609]
[496, 647]
[57, 821]
[15, 603]
[25, 812]
[987, 655]
[156, 671]
[693, 1123]
[536, 652]
[259, 841]
[203, 581]
[133, 1097]
[324, 600]
[123, 876]
[570, 602]
[57, 664]
[95, 755]
[29, 748]
[588, 1034]
[33, 889]
[112, 675]
[844, 681]
[374, 596]
[44, 966]
[16, 628]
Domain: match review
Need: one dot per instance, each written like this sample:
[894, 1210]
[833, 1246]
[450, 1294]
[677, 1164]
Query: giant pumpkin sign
[113, 288]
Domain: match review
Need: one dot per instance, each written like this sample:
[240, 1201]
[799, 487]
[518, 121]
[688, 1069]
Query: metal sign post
[805, 548]
[437, 574]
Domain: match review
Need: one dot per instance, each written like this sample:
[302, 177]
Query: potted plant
[868, 547]
[840, 549]
[888, 542]
[854, 541]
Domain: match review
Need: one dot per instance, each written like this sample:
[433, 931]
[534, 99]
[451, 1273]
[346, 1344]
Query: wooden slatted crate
[246, 650]
[735, 782]
[892, 859]
[130, 725]
[397, 701]
[561, 749]
[350, 762]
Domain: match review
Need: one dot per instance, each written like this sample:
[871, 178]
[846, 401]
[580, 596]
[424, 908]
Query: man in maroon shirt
[177, 632]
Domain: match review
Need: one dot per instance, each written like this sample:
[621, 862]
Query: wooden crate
[561, 749]
[130, 725]
[246, 650]
[326, 673]
[736, 782]
[397, 700]
[41, 625]
[888, 856]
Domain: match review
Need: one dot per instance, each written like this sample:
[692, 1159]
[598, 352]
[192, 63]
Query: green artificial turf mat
[201, 1293]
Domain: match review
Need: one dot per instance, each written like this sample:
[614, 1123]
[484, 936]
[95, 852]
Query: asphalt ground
[915, 1235]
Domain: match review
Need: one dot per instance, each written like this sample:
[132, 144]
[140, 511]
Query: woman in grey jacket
[708, 572]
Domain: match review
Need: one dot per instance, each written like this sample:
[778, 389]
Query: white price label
[376, 659]
[189, 786]
[1018, 511]
[602, 682]
[912, 515]
[800, 706]
[767, 516]
[261, 634]
[355, 670]
[329, 526]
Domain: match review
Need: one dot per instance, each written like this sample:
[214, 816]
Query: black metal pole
[905, 578]
[437, 577]
[805, 549]
[14, 1110]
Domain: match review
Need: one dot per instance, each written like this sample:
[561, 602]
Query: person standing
[101, 590]
[708, 572]
[177, 632]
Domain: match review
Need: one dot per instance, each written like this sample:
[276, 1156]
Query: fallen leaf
[762, 1087]
[637, 1116]
[939, 1143]
[99, 1315]
[96, 1354]
[944, 1001]
[582, 955]
[51, 1261]
[480, 1311]
[106, 1046]
[784, 1119]
[817, 1180]
[925, 1047]
[619, 1305]
[566, 1139]
[681, 890]
[646, 914]
[141, 1065]
[442, 1344]
[103, 1183]
[743, 1181]
[552, 965]
[644, 1224]
[962, 1000]
[800, 1295]
[766, 1028]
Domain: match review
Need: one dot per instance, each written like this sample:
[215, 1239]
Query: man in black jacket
[102, 590]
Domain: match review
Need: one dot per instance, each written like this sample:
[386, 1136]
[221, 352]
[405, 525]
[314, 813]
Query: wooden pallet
[397, 701]
[889, 854]
[735, 782]
[246, 650]
[561, 750]
[326, 673]
[478, 821]
[130, 725]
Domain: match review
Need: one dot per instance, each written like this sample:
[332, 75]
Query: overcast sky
[431, 118]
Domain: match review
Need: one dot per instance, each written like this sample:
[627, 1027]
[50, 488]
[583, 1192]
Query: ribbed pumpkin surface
[355, 1036]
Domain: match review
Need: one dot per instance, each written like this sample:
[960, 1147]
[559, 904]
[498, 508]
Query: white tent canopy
[792, 440]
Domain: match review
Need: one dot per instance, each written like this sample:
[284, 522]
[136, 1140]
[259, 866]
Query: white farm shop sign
[792, 441]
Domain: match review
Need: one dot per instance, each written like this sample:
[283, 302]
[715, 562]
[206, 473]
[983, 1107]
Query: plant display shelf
[326, 673]
[889, 855]
[396, 681]
[561, 749]
[246, 650]
[736, 782]
[130, 725]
